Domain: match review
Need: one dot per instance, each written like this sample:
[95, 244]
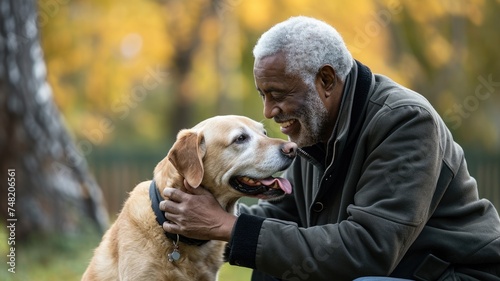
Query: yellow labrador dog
[230, 156]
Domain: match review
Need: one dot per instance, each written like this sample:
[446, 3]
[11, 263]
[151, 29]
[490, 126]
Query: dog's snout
[289, 149]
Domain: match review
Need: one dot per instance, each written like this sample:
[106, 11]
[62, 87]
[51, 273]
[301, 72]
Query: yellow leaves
[425, 11]
[445, 100]
[470, 9]
[181, 20]
[97, 51]
[203, 84]
[131, 45]
[209, 31]
[438, 24]
[257, 15]
[439, 49]
[145, 122]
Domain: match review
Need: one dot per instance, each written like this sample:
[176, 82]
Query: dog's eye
[265, 132]
[241, 138]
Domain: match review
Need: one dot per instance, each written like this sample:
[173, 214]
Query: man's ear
[326, 79]
[187, 154]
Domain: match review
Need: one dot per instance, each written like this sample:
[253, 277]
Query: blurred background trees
[128, 76]
[53, 192]
[100, 54]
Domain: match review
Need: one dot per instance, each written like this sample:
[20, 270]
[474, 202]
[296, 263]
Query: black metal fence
[485, 168]
[118, 172]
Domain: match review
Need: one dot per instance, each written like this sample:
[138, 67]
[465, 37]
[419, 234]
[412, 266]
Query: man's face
[293, 104]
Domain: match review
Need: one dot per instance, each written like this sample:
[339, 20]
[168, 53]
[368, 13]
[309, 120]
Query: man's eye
[278, 97]
[273, 95]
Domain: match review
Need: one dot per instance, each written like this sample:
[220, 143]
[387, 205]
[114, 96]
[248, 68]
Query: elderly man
[380, 187]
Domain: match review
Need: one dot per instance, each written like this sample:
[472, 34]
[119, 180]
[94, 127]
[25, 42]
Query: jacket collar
[355, 95]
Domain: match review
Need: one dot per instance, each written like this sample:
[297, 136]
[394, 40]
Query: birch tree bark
[54, 191]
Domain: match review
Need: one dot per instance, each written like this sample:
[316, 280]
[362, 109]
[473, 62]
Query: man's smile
[287, 126]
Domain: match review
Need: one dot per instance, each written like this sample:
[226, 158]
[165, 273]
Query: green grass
[55, 258]
[65, 259]
[234, 273]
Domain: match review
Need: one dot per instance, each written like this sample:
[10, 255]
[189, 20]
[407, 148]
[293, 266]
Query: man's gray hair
[308, 44]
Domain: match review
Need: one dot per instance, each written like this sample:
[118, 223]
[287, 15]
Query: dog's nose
[289, 149]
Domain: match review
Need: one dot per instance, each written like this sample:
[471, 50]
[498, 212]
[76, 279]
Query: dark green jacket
[390, 190]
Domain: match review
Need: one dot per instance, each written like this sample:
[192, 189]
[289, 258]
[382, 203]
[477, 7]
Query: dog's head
[232, 157]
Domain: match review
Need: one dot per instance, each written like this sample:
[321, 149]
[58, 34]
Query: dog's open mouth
[267, 187]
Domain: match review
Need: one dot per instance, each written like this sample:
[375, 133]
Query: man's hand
[197, 215]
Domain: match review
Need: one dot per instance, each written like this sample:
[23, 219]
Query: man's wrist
[226, 228]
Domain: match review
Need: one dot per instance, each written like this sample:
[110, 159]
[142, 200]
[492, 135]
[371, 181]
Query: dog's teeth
[249, 180]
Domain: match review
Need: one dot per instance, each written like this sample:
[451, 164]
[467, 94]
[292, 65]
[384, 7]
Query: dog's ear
[187, 154]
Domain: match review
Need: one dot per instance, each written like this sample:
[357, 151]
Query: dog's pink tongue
[284, 184]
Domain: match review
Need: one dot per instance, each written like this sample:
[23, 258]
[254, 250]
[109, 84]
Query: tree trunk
[185, 46]
[46, 185]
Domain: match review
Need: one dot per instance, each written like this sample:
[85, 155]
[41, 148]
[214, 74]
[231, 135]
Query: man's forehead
[270, 64]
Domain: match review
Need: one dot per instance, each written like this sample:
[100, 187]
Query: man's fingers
[171, 228]
[168, 206]
[170, 211]
[174, 194]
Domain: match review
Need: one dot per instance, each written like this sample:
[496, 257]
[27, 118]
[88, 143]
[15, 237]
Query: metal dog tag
[174, 256]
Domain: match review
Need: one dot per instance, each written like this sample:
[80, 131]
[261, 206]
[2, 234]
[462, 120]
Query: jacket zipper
[309, 157]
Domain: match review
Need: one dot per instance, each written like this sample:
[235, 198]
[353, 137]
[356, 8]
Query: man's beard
[313, 119]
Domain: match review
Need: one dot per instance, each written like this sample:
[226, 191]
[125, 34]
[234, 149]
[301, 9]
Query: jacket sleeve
[391, 206]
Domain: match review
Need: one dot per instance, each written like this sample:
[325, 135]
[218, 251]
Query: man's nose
[270, 109]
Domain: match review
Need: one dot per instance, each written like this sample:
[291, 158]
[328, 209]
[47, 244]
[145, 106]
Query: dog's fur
[211, 154]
